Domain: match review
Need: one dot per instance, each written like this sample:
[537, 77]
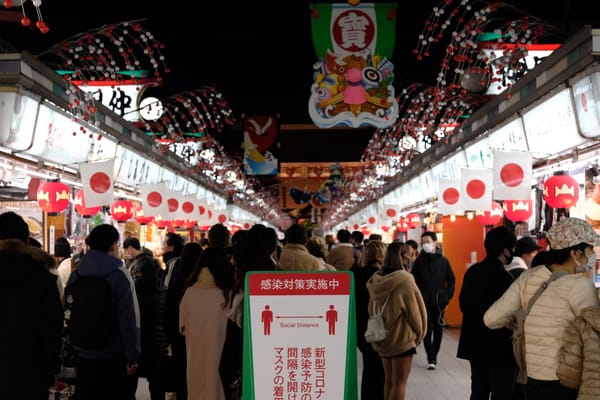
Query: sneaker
[431, 366]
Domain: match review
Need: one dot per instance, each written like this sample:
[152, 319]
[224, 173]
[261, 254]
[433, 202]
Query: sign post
[299, 336]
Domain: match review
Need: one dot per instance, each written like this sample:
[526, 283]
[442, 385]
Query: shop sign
[133, 169]
[479, 154]
[122, 99]
[509, 137]
[550, 127]
[585, 92]
[300, 336]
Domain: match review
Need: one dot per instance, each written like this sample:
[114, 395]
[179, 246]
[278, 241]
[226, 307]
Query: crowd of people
[173, 311]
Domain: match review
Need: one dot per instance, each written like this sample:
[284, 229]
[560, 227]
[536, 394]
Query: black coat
[32, 323]
[483, 284]
[435, 279]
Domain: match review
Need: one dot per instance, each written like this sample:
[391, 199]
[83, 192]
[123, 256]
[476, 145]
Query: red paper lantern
[402, 225]
[490, 217]
[81, 208]
[138, 215]
[413, 220]
[561, 191]
[121, 210]
[53, 197]
[518, 210]
[161, 223]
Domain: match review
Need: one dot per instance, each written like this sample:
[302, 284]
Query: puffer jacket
[405, 315]
[552, 314]
[579, 359]
[295, 257]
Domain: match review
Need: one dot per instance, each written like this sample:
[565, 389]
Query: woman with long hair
[405, 316]
[203, 314]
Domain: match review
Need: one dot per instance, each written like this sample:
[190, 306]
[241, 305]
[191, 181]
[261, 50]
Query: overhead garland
[118, 52]
[484, 51]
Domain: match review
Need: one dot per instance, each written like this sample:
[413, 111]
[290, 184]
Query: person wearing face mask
[572, 242]
[435, 279]
[489, 351]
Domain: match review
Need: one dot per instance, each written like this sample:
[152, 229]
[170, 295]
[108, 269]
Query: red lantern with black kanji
[561, 191]
[81, 208]
[121, 210]
[490, 217]
[518, 210]
[53, 197]
[413, 220]
[140, 218]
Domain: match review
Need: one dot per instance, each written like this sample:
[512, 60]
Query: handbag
[518, 336]
[376, 331]
[230, 368]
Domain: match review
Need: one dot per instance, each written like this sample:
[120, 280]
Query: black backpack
[89, 312]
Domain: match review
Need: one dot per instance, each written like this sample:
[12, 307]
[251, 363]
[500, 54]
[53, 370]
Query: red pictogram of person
[331, 316]
[267, 318]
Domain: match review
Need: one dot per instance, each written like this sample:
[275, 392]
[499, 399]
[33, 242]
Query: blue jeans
[548, 390]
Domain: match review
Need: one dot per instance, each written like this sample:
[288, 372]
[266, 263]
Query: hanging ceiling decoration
[26, 21]
[484, 42]
[114, 52]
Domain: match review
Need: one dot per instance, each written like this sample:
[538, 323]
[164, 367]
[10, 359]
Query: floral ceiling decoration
[26, 21]
[189, 122]
[114, 52]
[189, 127]
[484, 47]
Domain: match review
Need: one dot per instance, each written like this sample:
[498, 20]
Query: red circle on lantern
[81, 208]
[222, 218]
[450, 196]
[512, 174]
[561, 191]
[490, 217]
[372, 220]
[121, 210]
[475, 188]
[518, 210]
[201, 209]
[390, 212]
[154, 199]
[100, 182]
[53, 197]
[356, 226]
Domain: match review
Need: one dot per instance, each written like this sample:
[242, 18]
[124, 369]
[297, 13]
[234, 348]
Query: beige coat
[579, 359]
[405, 314]
[295, 257]
[203, 322]
[341, 257]
[547, 322]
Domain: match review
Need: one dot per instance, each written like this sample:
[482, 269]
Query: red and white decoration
[154, 200]
[476, 186]
[491, 216]
[450, 199]
[121, 210]
[561, 191]
[512, 175]
[53, 197]
[81, 206]
[97, 180]
[518, 210]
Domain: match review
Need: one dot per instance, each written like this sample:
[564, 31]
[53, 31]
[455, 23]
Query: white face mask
[591, 264]
[428, 247]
